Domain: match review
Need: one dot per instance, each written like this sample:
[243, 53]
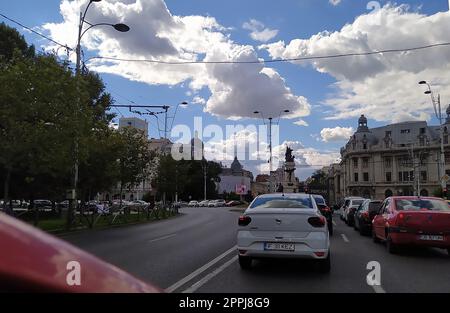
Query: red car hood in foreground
[31, 260]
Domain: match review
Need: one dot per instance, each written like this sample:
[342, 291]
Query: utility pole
[437, 110]
[270, 143]
[205, 167]
[270, 155]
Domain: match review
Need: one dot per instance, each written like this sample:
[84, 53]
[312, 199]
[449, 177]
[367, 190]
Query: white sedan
[283, 226]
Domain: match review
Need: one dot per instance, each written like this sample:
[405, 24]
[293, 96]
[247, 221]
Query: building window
[400, 176]
[388, 177]
[447, 158]
[365, 162]
[365, 146]
[422, 141]
[388, 162]
[422, 131]
[423, 176]
[445, 139]
[407, 176]
[366, 177]
[355, 163]
[405, 131]
[356, 177]
[388, 133]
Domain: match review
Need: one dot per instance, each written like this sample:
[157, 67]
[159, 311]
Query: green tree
[134, 158]
[11, 41]
[36, 118]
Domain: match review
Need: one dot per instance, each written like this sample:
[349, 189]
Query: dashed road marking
[162, 238]
[200, 270]
[334, 223]
[345, 238]
[210, 276]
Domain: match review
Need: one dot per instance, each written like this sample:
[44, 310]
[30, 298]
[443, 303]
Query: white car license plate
[279, 246]
[431, 238]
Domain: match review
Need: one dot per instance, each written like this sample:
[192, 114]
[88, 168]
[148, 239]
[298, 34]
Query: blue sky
[296, 19]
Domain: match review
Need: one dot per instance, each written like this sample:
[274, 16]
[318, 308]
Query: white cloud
[384, 87]
[336, 134]
[335, 2]
[301, 123]
[307, 159]
[198, 100]
[259, 32]
[156, 34]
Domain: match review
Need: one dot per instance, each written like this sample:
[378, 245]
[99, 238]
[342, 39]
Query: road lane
[195, 251]
[348, 274]
[153, 253]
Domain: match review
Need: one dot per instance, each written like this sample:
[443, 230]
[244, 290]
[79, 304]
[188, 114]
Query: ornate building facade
[234, 179]
[397, 159]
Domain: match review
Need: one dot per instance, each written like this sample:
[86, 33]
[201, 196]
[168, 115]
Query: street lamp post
[119, 27]
[437, 110]
[270, 142]
[205, 175]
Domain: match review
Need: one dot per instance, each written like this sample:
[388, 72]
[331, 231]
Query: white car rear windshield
[357, 202]
[422, 204]
[282, 202]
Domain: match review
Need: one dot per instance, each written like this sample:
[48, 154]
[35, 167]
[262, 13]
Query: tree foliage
[44, 109]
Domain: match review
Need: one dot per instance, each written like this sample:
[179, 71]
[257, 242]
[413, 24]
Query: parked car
[420, 221]
[203, 203]
[140, 202]
[212, 203]
[350, 204]
[193, 203]
[283, 226]
[233, 203]
[365, 214]
[44, 205]
[219, 203]
[64, 204]
[325, 210]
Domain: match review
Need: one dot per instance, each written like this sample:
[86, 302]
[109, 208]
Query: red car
[33, 261]
[421, 221]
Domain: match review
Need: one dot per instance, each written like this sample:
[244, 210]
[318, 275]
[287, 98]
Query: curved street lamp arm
[94, 25]
[281, 113]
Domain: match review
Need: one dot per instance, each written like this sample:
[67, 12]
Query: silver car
[283, 226]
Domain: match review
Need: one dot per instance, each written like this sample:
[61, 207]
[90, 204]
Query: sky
[324, 97]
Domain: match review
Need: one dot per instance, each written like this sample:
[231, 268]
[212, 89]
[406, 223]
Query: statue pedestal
[289, 182]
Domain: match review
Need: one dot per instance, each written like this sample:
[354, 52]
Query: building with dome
[396, 159]
[235, 179]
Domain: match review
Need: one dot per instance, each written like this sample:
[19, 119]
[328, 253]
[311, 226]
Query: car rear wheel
[330, 229]
[374, 237]
[245, 262]
[362, 232]
[391, 247]
[325, 264]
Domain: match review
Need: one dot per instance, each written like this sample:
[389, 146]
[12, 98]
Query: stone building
[260, 185]
[397, 159]
[234, 177]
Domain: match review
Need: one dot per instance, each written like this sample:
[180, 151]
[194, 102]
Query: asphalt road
[196, 252]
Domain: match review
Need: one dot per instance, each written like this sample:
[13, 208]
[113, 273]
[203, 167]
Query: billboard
[241, 189]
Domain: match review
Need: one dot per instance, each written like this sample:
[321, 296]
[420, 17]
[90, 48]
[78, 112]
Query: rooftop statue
[288, 155]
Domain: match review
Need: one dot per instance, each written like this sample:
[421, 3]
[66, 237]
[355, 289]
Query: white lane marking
[345, 238]
[200, 270]
[210, 276]
[162, 238]
[334, 223]
[378, 289]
